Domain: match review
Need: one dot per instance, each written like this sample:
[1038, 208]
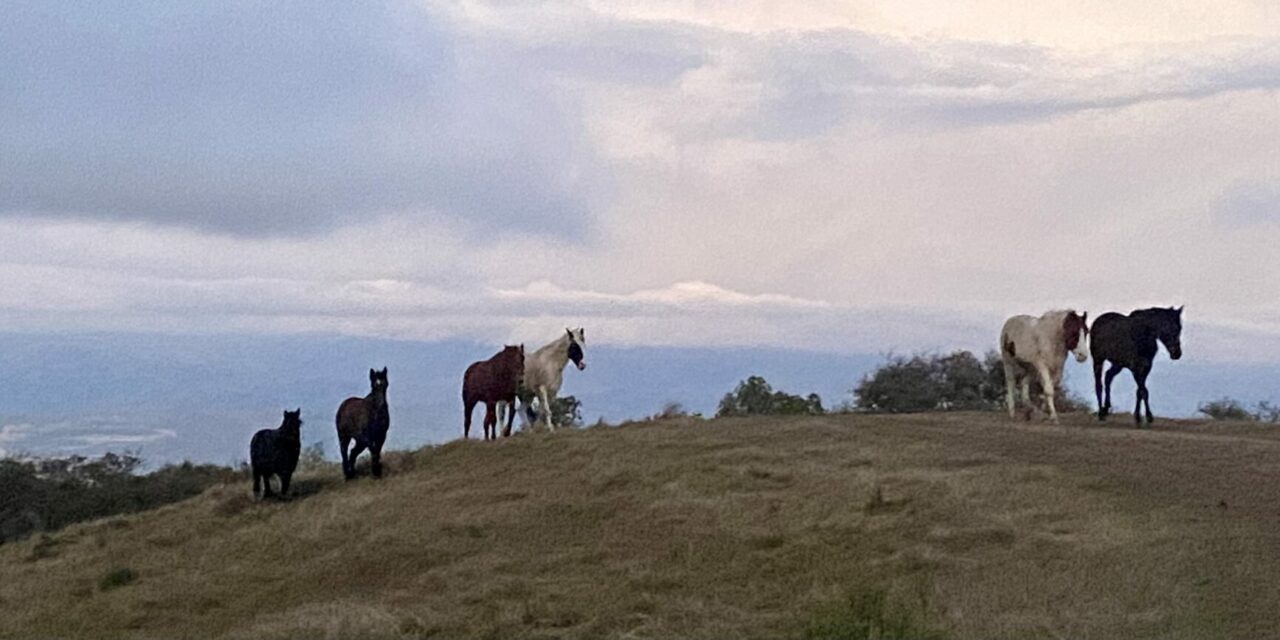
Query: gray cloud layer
[280, 117]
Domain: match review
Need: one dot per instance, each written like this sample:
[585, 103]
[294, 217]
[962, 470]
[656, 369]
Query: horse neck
[555, 353]
[291, 434]
[1056, 331]
[376, 399]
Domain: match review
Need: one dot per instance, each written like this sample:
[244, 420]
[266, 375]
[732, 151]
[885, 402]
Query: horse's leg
[511, 418]
[1097, 387]
[284, 483]
[467, 408]
[1010, 382]
[1112, 372]
[257, 484]
[1046, 385]
[266, 486]
[356, 450]
[1025, 383]
[347, 468]
[490, 421]
[1146, 393]
[1140, 379]
[375, 458]
[546, 409]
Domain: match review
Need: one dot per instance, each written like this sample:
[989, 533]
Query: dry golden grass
[743, 528]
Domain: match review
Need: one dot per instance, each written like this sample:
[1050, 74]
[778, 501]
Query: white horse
[544, 373]
[1031, 345]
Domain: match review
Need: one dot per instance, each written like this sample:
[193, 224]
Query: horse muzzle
[581, 364]
[1175, 354]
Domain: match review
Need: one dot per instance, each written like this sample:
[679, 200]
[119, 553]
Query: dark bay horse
[365, 421]
[274, 452]
[492, 381]
[1129, 342]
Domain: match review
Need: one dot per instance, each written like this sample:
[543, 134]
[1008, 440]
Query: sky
[848, 177]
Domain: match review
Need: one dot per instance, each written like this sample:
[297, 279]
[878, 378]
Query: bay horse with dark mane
[1129, 342]
[492, 381]
[364, 421]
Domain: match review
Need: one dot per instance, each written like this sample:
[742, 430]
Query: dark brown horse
[492, 381]
[1129, 342]
[365, 421]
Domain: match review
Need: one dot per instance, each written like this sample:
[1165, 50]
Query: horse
[1129, 342]
[492, 381]
[1030, 345]
[364, 421]
[275, 452]
[544, 373]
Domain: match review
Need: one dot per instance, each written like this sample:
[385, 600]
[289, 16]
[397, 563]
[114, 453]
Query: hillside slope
[756, 528]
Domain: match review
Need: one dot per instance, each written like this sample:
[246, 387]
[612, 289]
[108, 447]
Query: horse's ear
[1084, 317]
[384, 372]
[569, 331]
[1180, 308]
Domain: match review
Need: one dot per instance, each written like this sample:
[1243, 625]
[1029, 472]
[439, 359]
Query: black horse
[275, 452]
[1129, 342]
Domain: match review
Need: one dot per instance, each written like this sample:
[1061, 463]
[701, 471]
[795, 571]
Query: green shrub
[756, 397]
[1231, 409]
[867, 615]
[117, 578]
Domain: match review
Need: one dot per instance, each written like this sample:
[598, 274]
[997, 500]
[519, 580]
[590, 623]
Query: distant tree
[755, 396]
[902, 385]
[49, 493]
[956, 381]
[312, 457]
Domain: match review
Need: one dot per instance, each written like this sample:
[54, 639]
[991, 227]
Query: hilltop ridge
[967, 526]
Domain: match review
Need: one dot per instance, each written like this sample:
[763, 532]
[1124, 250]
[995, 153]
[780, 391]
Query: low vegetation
[49, 493]
[756, 397]
[1232, 409]
[957, 381]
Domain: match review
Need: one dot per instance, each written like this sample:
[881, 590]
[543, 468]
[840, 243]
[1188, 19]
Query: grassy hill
[946, 526]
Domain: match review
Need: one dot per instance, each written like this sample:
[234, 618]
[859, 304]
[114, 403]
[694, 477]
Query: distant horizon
[201, 397]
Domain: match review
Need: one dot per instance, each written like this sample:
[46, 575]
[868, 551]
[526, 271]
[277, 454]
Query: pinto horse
[1030, 345]
[365, 421]
[1129, 342]
[492, 381]
[544, 373]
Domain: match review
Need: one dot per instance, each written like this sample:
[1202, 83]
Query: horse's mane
[558, 343]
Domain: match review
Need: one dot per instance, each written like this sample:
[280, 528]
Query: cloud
[1249, 204]
[682, 295]
[281, 118]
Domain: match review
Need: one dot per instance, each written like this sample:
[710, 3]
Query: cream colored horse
[1030, 346]
[544, 373]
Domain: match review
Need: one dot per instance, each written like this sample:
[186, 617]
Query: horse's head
[1075, 331]
[292, 422]
[576, 340]
[378, 383]
[1168, 326]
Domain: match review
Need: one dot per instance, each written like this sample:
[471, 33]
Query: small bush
[756, 397]
[867, 615]
[117, 578]
[1231, 409]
